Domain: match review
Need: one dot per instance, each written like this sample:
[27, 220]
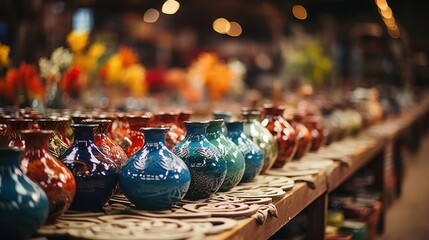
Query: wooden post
[317, 215]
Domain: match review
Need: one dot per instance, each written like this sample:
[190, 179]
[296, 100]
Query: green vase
[254, 130]
[232, 154]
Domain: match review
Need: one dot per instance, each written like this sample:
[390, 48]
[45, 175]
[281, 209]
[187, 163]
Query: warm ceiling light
[151, 15]
[235, 29]
[170, 7]
[221, 25]
[299, 12]
[382, 4]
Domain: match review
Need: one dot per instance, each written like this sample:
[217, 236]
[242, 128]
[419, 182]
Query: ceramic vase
[56, 145]
[50, 174]
[135, 123]
[283, 133]
[15, 127]
[254, 130]
[303, 136]
[105, 143]
[252, 153]
[174, 134]
[315, 125]
[205, 162]
[225, 116]
[121, 133]
[23, 204]
[154, 178]
[231, 153]
[96, 175]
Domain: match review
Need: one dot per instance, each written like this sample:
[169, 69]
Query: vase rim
[154, 129]
[96, 121]
[19, 120]
[204, 122]
[37, 131]
[84, 125]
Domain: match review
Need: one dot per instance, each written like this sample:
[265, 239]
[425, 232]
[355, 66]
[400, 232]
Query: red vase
[175, 134]
[105, 143]
[136, 122]
[48, 172]
[283, 133]
[184, 115]
[317, 130]
[15, 127]
[56, 145]
[121, 133]
[303, 136]
[112, 118]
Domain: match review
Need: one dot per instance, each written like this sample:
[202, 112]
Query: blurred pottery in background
[174, 134]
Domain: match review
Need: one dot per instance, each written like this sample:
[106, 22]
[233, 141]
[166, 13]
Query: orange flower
[71, 81]
[128, 56]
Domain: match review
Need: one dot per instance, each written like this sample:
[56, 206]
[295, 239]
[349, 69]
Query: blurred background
[187, 52]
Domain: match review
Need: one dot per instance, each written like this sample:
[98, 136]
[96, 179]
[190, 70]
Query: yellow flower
[134, 78]
[77, 40]
[4, 54]
[96, 50]
[114, 69]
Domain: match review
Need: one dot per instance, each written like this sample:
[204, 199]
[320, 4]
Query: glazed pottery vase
[226, 117]
[154, 178]
[315, 125]
[174, 134]
[254, 130]
[184, 115]
[205, 162]
[110, 117]
[96, 175]
[303, 136]
[231, 153]
[253, 155]
[121, 133]
[56, 145]
[50, 174]
[23, 204]
[15, 127]
[106, 144]
[3, 135]
[283, 133]
[135, 123]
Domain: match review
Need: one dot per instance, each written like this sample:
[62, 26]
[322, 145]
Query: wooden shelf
[288, 207]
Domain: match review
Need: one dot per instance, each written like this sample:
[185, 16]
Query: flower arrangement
[122, 71]
[22, 86]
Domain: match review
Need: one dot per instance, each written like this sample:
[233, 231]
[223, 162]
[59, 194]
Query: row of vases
[200, 164]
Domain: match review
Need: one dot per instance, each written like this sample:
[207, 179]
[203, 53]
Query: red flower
[71, 81]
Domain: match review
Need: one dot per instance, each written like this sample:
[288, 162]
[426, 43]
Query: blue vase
[96, 174]
[154, 178]
[251, 152]
[23, 204]
[205, 162]
[230, 152]
[225, 116]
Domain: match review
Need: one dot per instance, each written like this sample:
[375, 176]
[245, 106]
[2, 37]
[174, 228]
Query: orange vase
[303, 136]
[175, 134]
[317, 130]
[135, 123]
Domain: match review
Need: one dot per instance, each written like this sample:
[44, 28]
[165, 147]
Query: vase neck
[168, 118]
[83, 132]
[9, 157]
[196, 129]
[36, 139]
[154, 136]
[135, 123]
[234, 128]
[214, 130]
[222, 115]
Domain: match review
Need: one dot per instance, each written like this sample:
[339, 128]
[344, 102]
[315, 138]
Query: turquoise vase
[205, 162]
[154, 178]
[23, 204]
[251, 152]
[230, 152]
[254, 130]
[225, 116]
[96, 174]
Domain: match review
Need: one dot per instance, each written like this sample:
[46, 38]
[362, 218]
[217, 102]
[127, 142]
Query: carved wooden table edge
[294, 202]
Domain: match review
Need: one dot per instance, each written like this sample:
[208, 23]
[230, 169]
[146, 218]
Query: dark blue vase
[252, 153]
[23, 204]
[230, 152]
[205, 162]
[154, 178]
[96, 174]
[225, 116]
